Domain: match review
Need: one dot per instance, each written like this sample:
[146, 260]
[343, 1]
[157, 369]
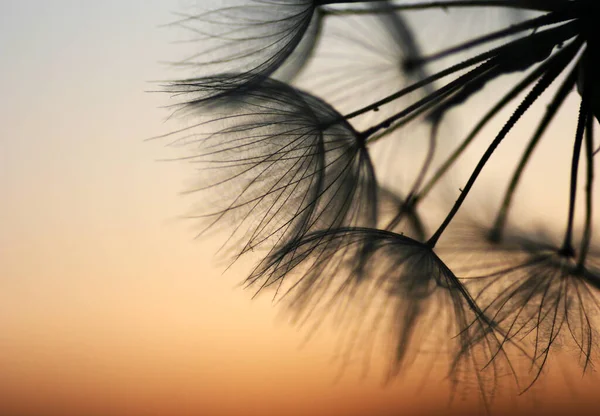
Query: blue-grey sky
[107, 303]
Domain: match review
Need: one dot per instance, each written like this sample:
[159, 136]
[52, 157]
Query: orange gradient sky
[108, 306]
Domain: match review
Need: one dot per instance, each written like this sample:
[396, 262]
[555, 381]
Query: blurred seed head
[239, 42]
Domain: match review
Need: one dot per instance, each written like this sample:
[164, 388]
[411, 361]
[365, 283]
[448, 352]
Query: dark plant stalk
[428, 158]
[567, 246]
[407, 40]
[549, 37]
[511, 95]
[589, 195]
[418, 196]
[536, 5]
[567, 86]
[414, 196]
[508, 58]
[418, 85]
[589, 188]
[520, 87]
[536, 23]
[433, 98]
[544, 82]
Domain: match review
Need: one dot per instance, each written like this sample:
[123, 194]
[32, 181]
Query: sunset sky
[108, 304]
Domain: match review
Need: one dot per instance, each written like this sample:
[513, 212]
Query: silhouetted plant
[291, 173]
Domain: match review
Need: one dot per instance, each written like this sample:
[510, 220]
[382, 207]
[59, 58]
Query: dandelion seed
[243, 41]
[293, 174]
[539, 297]
[278, 163]
[327, 275]
[362, 59]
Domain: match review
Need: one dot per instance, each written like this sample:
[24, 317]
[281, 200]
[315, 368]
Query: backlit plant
[296, 111]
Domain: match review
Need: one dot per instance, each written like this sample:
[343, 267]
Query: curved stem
[544, 82]
[536, 23]
[589, 193]
[519, 88]
[470, 76]
[438, 105]
[522, 47]
[560, 96]
[420, 84]
[536, 5]
[567, 246]
[587, 93]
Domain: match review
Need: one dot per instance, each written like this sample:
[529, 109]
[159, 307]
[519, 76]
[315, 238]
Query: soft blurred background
[108, 305]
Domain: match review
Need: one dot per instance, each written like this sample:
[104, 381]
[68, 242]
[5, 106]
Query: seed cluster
[298, 109]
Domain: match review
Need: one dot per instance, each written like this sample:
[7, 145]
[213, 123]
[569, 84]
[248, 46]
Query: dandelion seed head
[361, 60]
[239, 42]
[292, 172]
[276, 163]
[375, 286]
[538, 297]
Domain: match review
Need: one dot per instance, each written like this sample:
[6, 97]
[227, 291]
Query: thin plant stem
[589, 194]
[436, 106]
[536, 5]
[497, 230]
[589, 188]
[548, 37]
[514, 56]
[511, 95]
[418, 85]
[520, 87]
[537, 23]
[544, 82]
[439, 94]
[567, 246]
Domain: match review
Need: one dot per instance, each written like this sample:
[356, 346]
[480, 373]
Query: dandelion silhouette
[242, 41]
[291, 170]
[362, 58]
[376, 283]
[538, 296]
[281, 163]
